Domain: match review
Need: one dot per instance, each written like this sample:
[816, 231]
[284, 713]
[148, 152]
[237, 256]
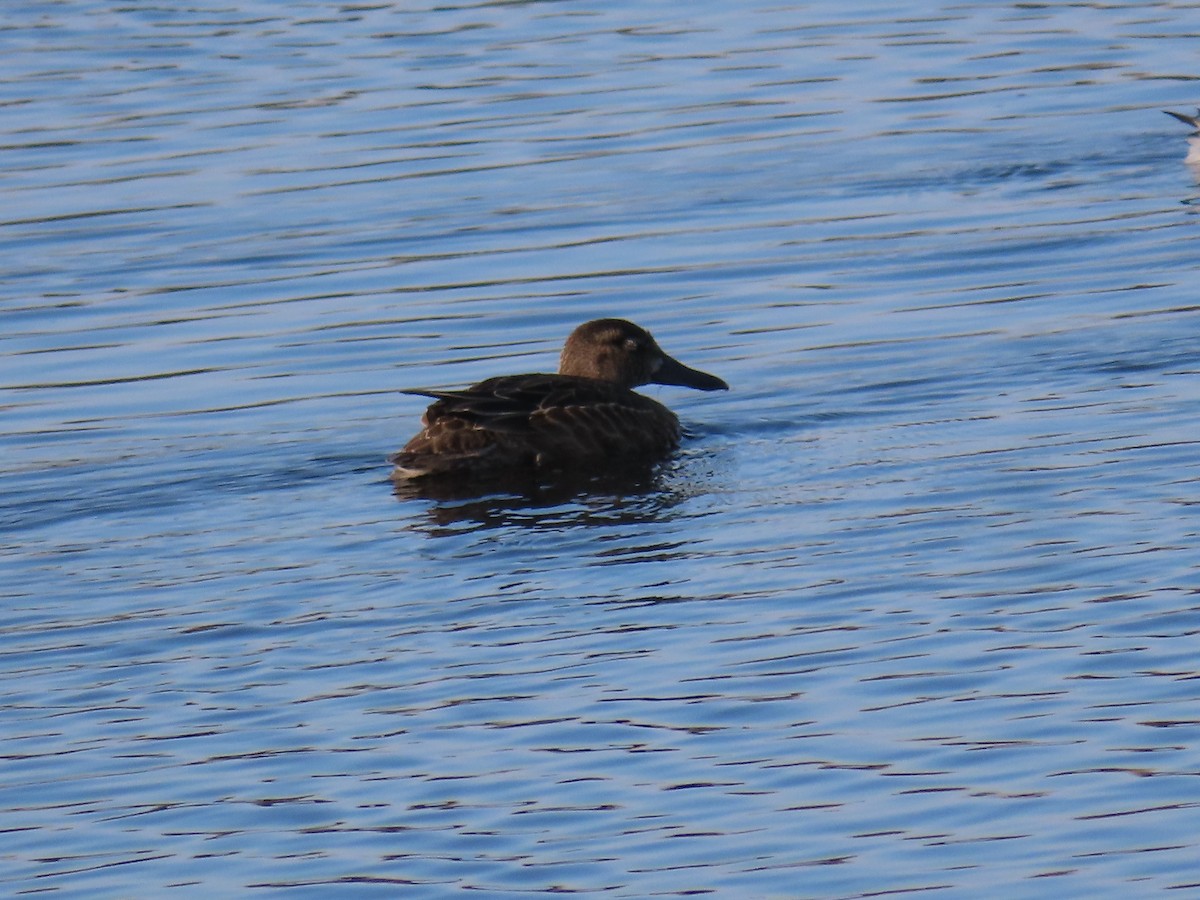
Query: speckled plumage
[586, 417]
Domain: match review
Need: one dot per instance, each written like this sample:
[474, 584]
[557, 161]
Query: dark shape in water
[585, 418]
[1194, 121]
[1194, 138]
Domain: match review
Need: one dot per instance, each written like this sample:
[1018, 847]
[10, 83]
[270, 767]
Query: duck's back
[522, 423]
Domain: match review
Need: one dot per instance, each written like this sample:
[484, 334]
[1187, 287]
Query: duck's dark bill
[672, 371]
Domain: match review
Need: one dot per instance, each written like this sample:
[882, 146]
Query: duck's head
[621, 352]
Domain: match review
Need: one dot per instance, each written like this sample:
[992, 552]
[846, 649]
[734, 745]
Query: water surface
[914, 610]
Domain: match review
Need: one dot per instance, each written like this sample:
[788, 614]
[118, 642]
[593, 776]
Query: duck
[1194, 138]
[585, 418]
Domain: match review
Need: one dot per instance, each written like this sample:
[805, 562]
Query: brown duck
[585, 417]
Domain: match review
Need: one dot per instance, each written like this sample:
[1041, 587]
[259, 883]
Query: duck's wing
[514, 404]
[518, 421]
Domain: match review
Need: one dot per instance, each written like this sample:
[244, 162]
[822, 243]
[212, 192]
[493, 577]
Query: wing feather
[547, 420]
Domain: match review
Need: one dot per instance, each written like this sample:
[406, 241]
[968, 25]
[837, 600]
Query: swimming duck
[1194, 138]
[585, 417]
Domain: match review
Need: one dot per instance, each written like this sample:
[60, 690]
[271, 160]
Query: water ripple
[912, 610]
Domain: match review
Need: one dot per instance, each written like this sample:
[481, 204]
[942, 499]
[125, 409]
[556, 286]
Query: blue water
[913, 610]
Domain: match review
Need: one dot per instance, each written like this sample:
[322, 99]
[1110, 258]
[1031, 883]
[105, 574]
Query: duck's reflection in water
[634, 495]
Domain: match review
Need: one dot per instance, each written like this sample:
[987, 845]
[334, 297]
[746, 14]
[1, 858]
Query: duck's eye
[631, 345]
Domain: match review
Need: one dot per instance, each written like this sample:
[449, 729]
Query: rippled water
[915, 608]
